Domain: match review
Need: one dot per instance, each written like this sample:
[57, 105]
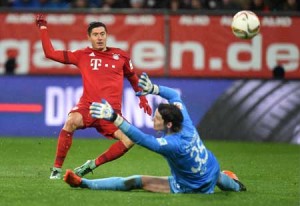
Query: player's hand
[102, 110]
[40, 20]
[144, 104]
[147, 86]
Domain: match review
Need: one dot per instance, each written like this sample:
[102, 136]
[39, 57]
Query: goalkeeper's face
[158, 122]
[98, 37]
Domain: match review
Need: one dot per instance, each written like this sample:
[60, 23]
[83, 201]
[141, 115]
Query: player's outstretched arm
[147, 86]
[46, 43]
[104, 110]
[65, 57]
[167, 93]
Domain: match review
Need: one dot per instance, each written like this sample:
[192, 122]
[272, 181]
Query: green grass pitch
[270, 171]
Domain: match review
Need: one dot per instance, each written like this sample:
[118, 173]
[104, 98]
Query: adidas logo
[92, 54]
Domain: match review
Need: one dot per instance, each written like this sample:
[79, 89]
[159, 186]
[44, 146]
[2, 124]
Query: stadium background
[228, 83]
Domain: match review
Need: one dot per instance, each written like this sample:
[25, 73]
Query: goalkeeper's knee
[133, 182]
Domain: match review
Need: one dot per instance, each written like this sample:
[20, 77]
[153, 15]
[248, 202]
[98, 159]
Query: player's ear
[169, 125]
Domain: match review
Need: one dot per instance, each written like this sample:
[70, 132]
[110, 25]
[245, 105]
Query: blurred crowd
[173, 5]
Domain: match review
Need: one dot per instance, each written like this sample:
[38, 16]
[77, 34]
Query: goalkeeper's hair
[171, 113]
[95, 24]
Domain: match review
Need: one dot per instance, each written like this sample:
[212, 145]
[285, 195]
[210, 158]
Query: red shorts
[104, 127]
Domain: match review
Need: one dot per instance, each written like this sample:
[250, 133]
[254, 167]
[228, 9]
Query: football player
[102, 69]
[194, 168]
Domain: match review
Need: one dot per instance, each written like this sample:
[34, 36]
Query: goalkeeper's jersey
[192, 164]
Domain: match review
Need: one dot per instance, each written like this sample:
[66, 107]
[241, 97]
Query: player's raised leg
[115, 151]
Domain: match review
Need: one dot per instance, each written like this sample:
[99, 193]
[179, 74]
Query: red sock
[64, 143]
[115, 151]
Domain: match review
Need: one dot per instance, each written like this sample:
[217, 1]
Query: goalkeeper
[194, 169]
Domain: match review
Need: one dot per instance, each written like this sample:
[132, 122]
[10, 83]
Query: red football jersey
[102, 72]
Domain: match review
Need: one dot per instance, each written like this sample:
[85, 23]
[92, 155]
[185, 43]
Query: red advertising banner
[131, 33]
[204, 46]
[175, 45]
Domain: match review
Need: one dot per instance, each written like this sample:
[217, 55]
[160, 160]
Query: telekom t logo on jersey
[95, 64]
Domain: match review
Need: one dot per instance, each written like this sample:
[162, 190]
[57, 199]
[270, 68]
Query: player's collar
[95, 50]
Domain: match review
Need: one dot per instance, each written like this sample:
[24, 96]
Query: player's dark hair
[95, 24]
[171, 113]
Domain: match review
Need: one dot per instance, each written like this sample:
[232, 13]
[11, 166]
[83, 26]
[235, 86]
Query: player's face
[98, 38]
[158, 122]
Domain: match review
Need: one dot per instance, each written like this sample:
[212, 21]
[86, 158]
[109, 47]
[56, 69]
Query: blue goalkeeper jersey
[192, 164]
